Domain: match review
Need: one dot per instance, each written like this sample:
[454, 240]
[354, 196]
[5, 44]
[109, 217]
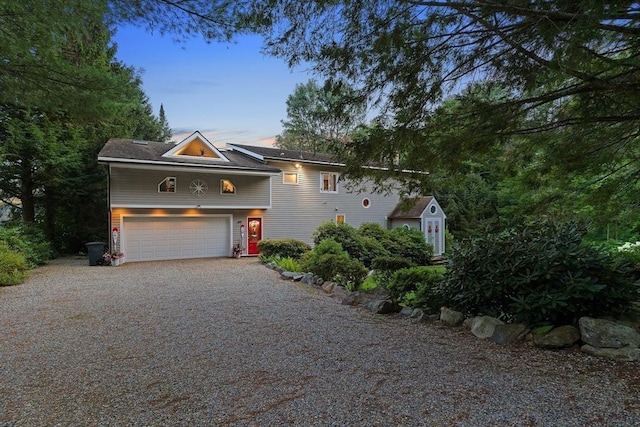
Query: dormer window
[167, 185]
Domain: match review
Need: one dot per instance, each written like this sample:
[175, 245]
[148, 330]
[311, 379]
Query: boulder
[627, 354]
[329, 287]
[290, 275]
[509, 333]
[451, 317]
[560, 337]
[309, 279]
[607, 334]
[380, 306]
[406, 311]
[483, 326]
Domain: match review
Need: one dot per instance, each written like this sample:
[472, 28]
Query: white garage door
[155, 239]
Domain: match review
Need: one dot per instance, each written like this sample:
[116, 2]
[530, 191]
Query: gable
[196, 145]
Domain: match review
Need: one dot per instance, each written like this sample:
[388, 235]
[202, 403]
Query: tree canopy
[550, 86]
[320, 116]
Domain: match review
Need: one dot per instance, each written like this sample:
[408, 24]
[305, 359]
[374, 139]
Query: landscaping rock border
[608, 338]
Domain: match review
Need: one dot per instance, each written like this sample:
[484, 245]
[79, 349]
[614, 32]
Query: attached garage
[148, 238]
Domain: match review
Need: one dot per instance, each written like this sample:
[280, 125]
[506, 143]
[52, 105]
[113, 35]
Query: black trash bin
[95, 251]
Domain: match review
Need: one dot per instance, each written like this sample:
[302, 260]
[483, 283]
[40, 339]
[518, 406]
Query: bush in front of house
[418, 287]
[29, 241]
[541, 273]
[13, 266]
[344, 234]
[283, 248]
[410, 243]
[331, 262]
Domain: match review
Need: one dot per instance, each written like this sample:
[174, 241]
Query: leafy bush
[385, 266]
[13, 266]
[344, 234]
[283, 248]
[288, 264]
[373, 249]
[374, 231]
[629, 253]
[410, 243]
[331, 262]
[418, 287]
[537, 274]
[29, 241]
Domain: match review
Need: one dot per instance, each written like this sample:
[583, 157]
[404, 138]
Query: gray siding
[298, 209]
[131, 187]
[400, 222]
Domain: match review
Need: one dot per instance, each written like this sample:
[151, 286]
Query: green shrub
[13, 266]
[331, 262]
[410, 243]
[283, 248]
[372, 249]
[344, 234]
[537, 274]
[374, 231]
[418, 287]
[29, 241]
[288, 264]
[385, 266]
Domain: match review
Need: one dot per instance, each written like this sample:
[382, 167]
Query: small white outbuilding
[424, 214]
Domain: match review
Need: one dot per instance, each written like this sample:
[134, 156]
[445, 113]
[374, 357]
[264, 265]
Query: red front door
[254, 235]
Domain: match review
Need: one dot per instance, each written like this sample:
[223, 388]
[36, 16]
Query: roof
[267, 153]
[129, 151]
[406, 210]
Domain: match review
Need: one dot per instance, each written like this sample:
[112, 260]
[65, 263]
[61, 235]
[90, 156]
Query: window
[227, 187]
[290, 178]
[328, 182]
[340, 218]
[167, 185]
[433, 209]
[366, 203]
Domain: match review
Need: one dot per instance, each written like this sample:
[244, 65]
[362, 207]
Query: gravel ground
[222, 342]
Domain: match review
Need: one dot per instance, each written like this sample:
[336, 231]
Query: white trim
[188, 140]
[247, 152]
[175, 185]
[222, 193]
[337, 174]
[191, 206]
[149, 164]
[123, 236]
[344, 218]
[368, 202]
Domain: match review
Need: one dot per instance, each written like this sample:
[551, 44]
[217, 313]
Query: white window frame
[168, 179]
[344, 218]
[235, 190]
[337, 177]
[296, 174]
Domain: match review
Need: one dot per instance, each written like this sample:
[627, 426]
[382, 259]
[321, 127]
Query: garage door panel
[150, 238]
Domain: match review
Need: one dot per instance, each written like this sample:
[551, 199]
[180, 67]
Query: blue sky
[230, 92]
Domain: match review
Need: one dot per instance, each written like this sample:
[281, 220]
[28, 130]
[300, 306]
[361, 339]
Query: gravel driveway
[221, 342]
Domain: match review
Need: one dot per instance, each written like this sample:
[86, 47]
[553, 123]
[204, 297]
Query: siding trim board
[169, 166]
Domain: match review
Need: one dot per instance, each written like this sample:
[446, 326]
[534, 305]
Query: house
[192, 199]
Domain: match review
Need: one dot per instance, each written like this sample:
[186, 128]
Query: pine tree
[165, 133]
